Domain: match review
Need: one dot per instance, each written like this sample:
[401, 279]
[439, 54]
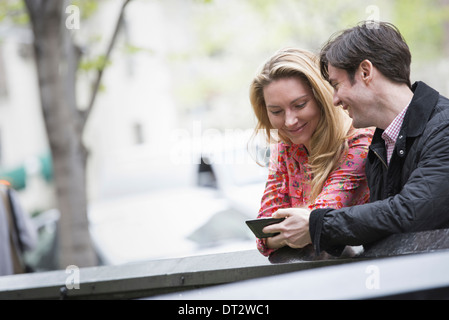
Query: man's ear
[366, 71]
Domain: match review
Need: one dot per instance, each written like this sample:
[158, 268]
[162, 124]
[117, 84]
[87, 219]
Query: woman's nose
[291, 118]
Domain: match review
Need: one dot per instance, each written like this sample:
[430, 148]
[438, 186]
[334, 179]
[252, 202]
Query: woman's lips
[297, 130]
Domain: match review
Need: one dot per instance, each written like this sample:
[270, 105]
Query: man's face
[352, 96]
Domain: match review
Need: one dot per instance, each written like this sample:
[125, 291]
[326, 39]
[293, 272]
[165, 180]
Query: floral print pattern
[288, 183]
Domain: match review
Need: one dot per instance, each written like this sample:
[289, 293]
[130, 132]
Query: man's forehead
[335, 73]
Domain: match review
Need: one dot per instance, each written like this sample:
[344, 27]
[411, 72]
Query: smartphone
[256, 226]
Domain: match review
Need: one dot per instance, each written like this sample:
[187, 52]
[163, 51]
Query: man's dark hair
[379, 42]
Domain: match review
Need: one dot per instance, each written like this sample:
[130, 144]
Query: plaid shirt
[391, 133]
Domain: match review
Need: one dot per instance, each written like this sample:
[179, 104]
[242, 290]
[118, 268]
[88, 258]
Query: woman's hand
[294, 230]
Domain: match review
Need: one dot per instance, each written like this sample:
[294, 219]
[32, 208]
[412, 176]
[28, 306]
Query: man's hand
[294, 230]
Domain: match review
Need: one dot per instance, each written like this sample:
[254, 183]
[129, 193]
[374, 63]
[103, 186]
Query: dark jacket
[411, 194]
[17, 233]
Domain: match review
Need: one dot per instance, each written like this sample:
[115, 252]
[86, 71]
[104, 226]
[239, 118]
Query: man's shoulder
[428, 109]
[437, 126]
[440, 113]
[442, 104]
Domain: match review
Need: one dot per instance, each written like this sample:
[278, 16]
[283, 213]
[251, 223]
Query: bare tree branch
[97, 81]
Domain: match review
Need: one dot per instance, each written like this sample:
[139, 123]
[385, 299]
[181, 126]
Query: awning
[17, 176]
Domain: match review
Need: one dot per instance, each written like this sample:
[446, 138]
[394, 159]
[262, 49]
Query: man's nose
[336, 99]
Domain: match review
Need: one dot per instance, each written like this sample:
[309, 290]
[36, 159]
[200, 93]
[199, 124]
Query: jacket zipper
[380, 158]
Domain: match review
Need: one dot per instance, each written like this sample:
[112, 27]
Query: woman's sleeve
[346, 185]
[275, 195]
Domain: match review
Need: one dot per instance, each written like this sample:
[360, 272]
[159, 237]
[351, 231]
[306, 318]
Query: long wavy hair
[328, 142]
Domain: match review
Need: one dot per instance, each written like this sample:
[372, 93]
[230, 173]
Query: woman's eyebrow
[299, 98]
[292, 102]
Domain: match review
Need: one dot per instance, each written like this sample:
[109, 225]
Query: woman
[319, 158]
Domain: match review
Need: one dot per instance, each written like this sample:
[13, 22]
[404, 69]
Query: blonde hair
[328, 142]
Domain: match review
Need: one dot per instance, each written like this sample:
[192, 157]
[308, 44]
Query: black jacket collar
[415, 120]
[421, 107]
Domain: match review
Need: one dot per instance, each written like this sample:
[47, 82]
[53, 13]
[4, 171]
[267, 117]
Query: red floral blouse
[288, 183]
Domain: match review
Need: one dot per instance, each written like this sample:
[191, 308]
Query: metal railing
[160, 277]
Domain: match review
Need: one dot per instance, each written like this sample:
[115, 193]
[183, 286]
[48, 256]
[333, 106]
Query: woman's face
[292, 109]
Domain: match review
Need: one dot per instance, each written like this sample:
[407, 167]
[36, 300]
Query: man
[408, 162]
[17, 232]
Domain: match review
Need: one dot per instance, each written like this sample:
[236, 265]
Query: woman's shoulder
[360, 136]
[282, 154]
[283, 148]
[359, 141]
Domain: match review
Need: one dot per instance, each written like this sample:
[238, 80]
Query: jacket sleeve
[422, 204]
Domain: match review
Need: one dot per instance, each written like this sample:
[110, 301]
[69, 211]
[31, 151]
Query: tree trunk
[56, 62]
